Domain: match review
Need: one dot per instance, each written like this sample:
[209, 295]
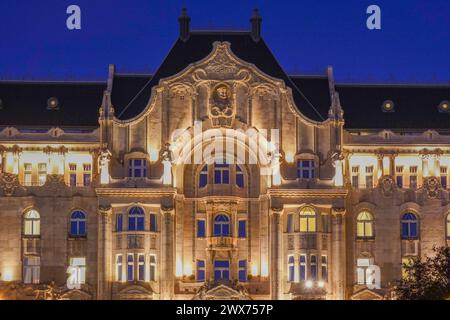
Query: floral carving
[9, 183]
[387, 185]
[432, 187]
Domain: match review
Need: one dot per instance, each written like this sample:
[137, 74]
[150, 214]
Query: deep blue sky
[305, 36]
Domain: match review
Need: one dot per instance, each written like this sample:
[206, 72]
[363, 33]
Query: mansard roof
[198, 46]
[24, 103]
[415, 106]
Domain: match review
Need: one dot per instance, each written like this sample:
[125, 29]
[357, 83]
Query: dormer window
[444, 107]
[388, 106]
[52, 103]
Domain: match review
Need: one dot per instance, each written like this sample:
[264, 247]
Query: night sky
[305, 36]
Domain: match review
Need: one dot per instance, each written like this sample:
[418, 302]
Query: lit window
[364, 225]
[305, 169]
[307, 220]
[200, 270]
[141, 267]
[242, 270]
[31, 269]
[221, 173]
[119, 268]
[221, 270]
[313, 266]
[78, 224]
[324, 275]
[362, 271]
[242, 228]
[136, 219]
[355, 176]
[201, 229]
[152, 267]
[221, 225]
[203, 179]
[302, 267]
[406, 263]
[153, 222]
[77, 270]
[137, 168]
[409, 226]
[42, 173]
[290, 223]
[388, 106]
[239, 177]
[119, 222]
[28, 174]
[130, 267]
[32, 223]
[291, 269]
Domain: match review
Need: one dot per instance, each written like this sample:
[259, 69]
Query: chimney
[256, 25]
[184, 21]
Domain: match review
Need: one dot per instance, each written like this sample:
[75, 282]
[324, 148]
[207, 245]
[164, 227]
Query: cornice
[135, 192]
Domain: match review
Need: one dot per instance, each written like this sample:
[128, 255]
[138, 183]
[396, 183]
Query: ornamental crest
[9, 183]
[387, 185]
[432, 186]
[221, 105]
[222, 64]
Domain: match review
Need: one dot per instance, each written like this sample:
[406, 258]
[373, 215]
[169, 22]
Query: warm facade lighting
[339, 175]
[289, 157]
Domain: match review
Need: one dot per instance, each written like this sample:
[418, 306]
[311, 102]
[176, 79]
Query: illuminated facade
[94, 205]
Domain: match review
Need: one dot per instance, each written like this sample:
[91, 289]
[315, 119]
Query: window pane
[242, 229]
[240, 180]
[226, 177]
[200, 228]
[153, 223]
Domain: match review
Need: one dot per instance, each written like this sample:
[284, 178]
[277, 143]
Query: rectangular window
[362, 265]
[119, 222]
[324, 272]
[130, 267]
[313, 266]
[201, 230]
[153, 222]
[141, 267]
[137, 168]
[203, 179]
[290, 223]
[28, 174]
[221, 173]
[78, 270]
[119, 268]
[87, 171]
[242, 270]
[31, 270]
[355, 177]
[73, 174]
[369, 177]
[444, 175]
[305, 169]
[413, 177]
[291, 270]
[42, 173]
[200, 270]
[152, 267]
[242, 228]
[399, 176]
[221, 270]
[302, 267]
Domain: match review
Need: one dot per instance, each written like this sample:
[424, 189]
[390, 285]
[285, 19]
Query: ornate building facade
[101, 199]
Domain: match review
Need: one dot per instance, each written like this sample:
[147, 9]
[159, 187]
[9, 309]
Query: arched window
[221, 225]
[32, 223]
[409, 226]
[78, 224]
[307, 220]
[203, 179]
[364, 225]
[447, 223]
[136, 219]
[239, 177]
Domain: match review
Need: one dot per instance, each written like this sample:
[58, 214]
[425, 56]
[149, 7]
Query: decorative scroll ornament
[9, 183]
[387, 185]
[221, 109]
[55, 182]
[432, 186]
[221, 63]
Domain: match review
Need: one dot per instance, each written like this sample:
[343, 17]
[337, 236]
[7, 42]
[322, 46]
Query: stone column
[104, 253]
[380, 165]
[276, 253]
[167, 253]
[338, 255]
[392, 165]
[347, 172]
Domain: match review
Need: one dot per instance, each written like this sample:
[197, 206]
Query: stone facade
[286, 235]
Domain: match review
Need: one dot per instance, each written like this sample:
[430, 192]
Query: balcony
[308, 241]
[222, 242]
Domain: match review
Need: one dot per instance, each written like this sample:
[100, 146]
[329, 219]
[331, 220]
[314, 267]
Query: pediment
[367, 294]
[221, 292]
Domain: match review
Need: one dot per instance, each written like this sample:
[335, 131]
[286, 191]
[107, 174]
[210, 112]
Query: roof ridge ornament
[184, 21]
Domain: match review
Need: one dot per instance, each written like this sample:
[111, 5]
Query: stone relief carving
[432, 187]
[9, 183]
[221, 105]
[55, 182]
[387, 185]
[222, 64]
